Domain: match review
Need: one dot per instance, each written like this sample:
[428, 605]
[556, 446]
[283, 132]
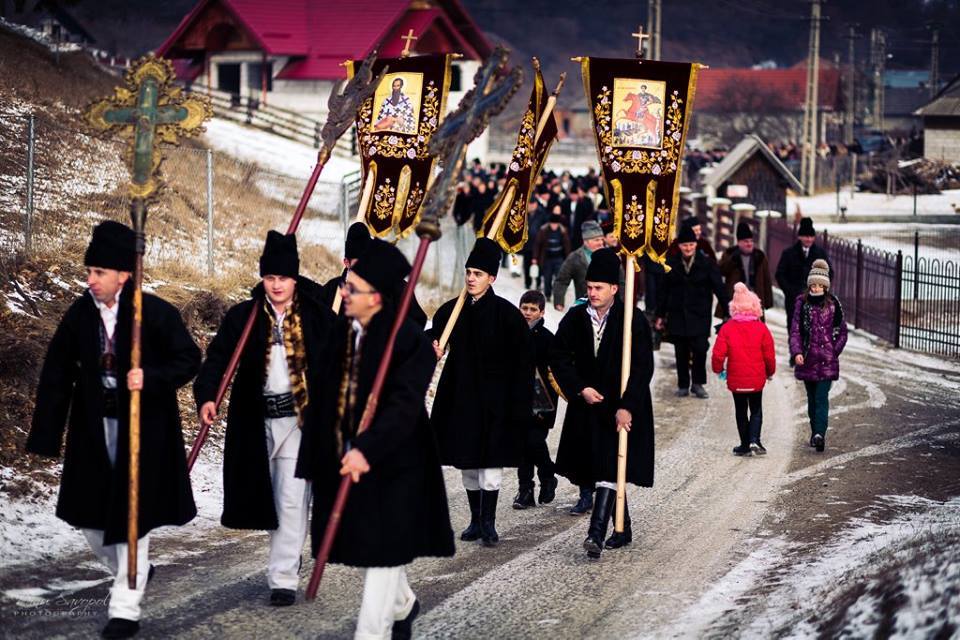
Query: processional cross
[409, 38]
[147, 109]
[640, 35]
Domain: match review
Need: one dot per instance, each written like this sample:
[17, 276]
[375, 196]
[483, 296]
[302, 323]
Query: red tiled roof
[320, 34]
[754, 89]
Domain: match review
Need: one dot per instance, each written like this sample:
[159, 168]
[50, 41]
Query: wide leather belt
[279, 406]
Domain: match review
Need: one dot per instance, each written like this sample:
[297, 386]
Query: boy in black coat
[279, 377]
[397, 508]
[87, 375]
[535, 451]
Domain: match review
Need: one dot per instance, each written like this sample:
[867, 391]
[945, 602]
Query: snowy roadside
[862, 204]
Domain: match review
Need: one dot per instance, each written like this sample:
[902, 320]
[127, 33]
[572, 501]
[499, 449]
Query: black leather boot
[617, 540]
[473, 531]
[488, 518]
[602, 508]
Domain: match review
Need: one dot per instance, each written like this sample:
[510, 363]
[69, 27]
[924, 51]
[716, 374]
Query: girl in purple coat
[818, 334]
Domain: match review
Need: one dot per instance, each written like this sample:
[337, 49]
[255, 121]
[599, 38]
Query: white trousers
[291, 499]
[387, 597]
[603, 484]
[124, 602]
[485, 479]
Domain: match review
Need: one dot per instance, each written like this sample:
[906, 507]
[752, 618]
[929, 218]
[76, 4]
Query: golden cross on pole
[409, 38]
[640, 35]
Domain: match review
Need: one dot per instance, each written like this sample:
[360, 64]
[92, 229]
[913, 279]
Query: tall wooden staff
[488, 98]
[148, 108]
[504, 209]
[341, 110]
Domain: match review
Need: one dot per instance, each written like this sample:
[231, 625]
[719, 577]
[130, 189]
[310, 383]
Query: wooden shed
[751, 173]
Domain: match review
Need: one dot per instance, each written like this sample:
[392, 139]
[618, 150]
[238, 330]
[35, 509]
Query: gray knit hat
[590, 229]
[819, 273]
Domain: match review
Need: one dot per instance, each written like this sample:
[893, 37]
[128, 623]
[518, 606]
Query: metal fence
[907, 302]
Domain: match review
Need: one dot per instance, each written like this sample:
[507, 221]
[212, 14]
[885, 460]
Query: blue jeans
[818, 405]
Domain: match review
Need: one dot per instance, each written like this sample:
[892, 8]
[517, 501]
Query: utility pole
[654, 22]
[851, 84]
[808, 163]
[935, 62]
[878, 58]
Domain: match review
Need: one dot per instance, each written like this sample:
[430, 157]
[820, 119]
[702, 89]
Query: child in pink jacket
[746, 346]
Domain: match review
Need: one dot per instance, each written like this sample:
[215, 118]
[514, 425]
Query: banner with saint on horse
[641, 110]
[394, 128]
[528, 158]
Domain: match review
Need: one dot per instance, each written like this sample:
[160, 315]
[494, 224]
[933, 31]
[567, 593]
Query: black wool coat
[793, 268]
[731, 268]
[93, 494]
[686, 299]
[542, 342]
[247, 487]
[484, 398]
[398, 511]
[589, 440]
[415, 313]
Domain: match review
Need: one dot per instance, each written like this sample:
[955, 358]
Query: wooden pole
[133, 484]
[361, 215]
[491, 235]
[628, 308]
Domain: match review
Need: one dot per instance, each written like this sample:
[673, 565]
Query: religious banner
[393, 132]
[525, 165]
[641, 110]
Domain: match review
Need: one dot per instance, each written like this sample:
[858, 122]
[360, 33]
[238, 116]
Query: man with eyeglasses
[397, 509]
[86, 375]
[274, 395]
[484, 397]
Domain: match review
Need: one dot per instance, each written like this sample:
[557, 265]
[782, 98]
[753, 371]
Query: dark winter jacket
[398, 510]
[483, 401]
[731, 268]
[561, 243]
[793, 268]
[574, 268]
[542, 341]
[93, 494]
[686, 299]
[745, 348]
[819, 333]
[247, 488]
[588, 443]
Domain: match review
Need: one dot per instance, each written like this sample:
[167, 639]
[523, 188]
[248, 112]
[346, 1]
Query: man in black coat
[747, 264]
[356, 243]
[586, 362]
[87, 375]
[577, 209]
[483, 401]
[397, 508]
[685, 304]
[795, 263]
[273, 396]
[544, 406]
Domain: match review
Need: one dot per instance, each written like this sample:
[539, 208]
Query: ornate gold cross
[409, 38]
[149, 109]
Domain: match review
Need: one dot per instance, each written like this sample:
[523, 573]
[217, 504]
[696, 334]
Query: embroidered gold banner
[393, 133]
[528, 157]
[641, 111]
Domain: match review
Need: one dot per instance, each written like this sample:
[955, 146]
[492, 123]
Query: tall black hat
[113, 246]
[280, 256]
[604, 266]
[358, 239]
[382, 265]
[485, 256]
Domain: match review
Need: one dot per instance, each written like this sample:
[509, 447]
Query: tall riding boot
[473, 531]
[602, 508]
[488, 518]
[617, 540]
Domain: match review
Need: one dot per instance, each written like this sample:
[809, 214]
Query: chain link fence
[208, 221]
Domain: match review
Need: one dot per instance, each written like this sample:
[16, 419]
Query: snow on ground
[272, 152]
[913, 549]
[861, 204]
